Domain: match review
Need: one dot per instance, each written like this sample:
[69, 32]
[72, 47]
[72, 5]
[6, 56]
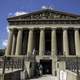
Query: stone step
[45, 77]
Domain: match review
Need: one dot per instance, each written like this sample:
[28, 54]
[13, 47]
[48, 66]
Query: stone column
[53, 42]
[77, 42]
[13, 44]
[19, 42]
[9, 46]
[30, 42]
[65, 43]
[53, 51]
[42, 42]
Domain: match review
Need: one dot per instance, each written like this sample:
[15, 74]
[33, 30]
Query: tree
[2, 52]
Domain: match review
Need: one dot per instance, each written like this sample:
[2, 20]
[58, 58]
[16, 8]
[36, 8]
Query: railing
[72, 64]
[11, 62]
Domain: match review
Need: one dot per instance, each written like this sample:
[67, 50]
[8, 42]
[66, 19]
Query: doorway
[47, 66]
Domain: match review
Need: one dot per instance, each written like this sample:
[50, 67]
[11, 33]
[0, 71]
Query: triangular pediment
[45, 15]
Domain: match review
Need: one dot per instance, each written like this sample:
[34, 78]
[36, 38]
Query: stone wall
[1, 77]
[62, 71]
[12, 76]
[71, 75]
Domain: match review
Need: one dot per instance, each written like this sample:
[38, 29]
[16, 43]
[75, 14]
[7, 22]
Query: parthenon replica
[51, 37]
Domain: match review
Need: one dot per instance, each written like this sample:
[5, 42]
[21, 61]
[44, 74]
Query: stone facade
[51, 33]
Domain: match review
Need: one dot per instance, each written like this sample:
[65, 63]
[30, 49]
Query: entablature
[36, 22]
[40, 26]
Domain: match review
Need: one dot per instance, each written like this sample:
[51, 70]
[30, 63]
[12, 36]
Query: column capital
[53, 29]
[31, 29]
[20, 29]
[11, 30]
[65, 28]
[76, 29]
[41, 28]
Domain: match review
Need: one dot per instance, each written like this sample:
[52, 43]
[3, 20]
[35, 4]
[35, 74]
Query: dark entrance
[47, 66]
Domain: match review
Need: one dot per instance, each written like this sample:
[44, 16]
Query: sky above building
[17, 7]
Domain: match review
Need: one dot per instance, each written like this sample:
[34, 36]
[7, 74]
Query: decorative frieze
[44, 21]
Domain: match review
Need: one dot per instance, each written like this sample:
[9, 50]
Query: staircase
[46, 77]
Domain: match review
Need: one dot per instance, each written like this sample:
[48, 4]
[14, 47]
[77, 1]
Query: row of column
[65, 42]
[12, 43]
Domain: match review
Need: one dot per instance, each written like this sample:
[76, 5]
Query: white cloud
[16, 13]
[10, 14]
[44, 7]
[7, 29]
[19, 13]
[50, 7]
[4, 43]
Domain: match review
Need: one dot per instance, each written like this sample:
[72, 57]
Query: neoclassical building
[52, 36]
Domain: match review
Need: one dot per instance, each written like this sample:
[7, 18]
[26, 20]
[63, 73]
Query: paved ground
[45, 77]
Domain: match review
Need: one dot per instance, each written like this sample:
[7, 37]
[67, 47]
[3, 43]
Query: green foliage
[2, 52]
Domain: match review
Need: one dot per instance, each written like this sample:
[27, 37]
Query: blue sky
[10, 7]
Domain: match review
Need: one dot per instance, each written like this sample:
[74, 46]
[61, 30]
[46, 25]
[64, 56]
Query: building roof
[44, 11]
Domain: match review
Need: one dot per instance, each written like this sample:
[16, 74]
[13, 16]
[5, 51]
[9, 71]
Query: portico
[17, 38]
